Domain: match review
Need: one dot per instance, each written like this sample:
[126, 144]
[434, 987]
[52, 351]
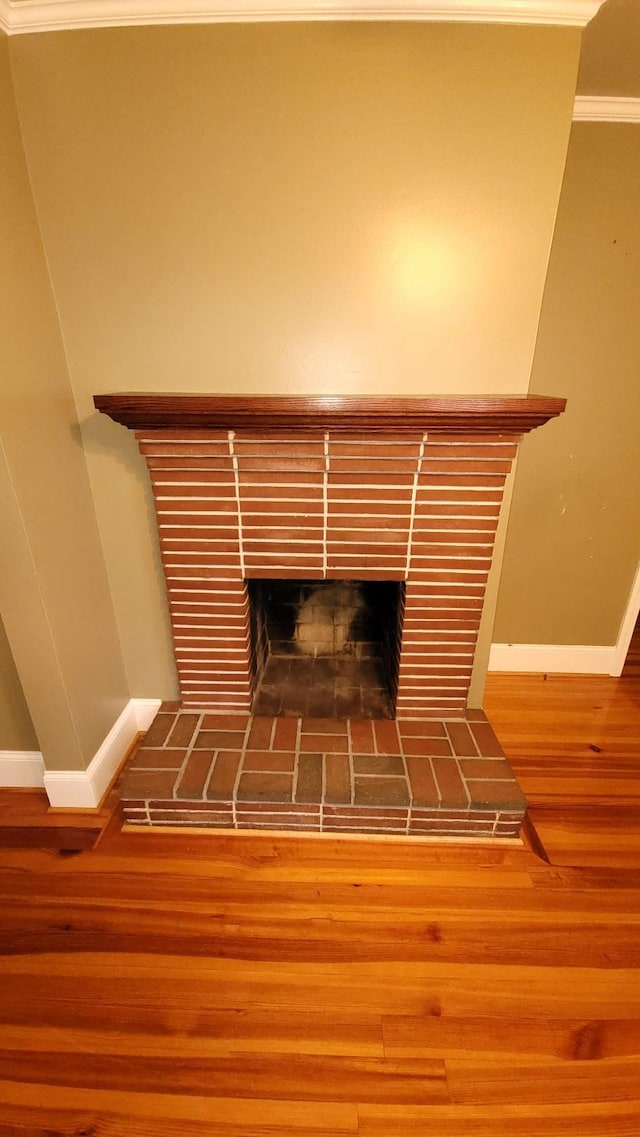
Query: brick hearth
[423, 777]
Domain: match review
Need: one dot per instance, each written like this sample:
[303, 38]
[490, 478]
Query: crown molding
[24, 16]
[606, 108]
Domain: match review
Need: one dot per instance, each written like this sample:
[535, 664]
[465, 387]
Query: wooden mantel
[477, 414]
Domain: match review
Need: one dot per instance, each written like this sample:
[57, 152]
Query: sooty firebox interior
[326, 648]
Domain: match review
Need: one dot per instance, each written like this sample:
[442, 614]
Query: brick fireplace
[254, 496]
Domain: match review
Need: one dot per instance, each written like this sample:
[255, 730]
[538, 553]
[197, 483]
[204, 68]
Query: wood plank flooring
[238, 985]
[574, 744]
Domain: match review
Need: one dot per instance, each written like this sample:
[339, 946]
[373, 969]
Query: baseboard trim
[568, 659]
[85, 789]
[21, 769]
[627, 626]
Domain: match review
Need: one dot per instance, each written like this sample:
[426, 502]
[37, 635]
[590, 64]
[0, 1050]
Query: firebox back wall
[235, 506]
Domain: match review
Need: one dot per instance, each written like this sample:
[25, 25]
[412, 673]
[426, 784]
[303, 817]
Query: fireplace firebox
[326, 649]
[285, 527]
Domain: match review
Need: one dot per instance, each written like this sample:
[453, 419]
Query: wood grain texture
[238, 985]
[26, 819]
[484, 414]
[574, 744]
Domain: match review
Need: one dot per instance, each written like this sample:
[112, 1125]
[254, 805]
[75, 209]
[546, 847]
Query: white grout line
[201, 513]
[243, 751]
[325, 503]
[209, 776]
[406, 774]
[273, 732]
[235, 702]
[238, 505]
[238, 651]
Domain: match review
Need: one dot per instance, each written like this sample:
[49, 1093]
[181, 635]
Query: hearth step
[415, 777]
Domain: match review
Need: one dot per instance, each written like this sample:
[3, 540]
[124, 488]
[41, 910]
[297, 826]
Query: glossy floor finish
[210, 985]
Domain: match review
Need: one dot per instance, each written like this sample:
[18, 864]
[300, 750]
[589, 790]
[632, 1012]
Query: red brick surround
[234, 505]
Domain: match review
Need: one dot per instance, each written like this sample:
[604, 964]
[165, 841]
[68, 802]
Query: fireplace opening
[326, 648]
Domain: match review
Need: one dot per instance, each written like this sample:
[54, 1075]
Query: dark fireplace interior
[326, 648]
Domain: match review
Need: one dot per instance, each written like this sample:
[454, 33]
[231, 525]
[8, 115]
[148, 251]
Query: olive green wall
[54, 594]
[573, 541]
[313, 208]
[16, 728]
[611, 50]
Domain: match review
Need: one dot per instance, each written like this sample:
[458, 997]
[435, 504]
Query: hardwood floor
[574, 743]
[238, 985]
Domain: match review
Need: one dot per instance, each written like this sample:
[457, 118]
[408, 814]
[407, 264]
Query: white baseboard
[569, 659]
[627, 626]
[84, 789]
[22, 769]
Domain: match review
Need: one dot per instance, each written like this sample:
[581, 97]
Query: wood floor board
[569, 739]
[466, 938]
[590, 836]
[180, 987]
[320, 1079]
[354, 909]
[584, 1081]
[515, 1040]
[263, 1115]
[25, 1121]
[613, 1119]
[183, 1035]
[27, 821]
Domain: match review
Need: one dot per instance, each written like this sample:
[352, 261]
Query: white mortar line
[209, 775]
[325, 505]
[236, 783]
[234, 461]
[414, 502]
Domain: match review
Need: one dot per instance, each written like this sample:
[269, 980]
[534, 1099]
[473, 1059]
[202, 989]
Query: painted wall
[573, 541]
[16, 728]
[54, 594]
[610, 51]
[347, 208]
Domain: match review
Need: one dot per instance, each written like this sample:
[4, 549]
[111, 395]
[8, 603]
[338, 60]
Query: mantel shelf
[478, 414]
